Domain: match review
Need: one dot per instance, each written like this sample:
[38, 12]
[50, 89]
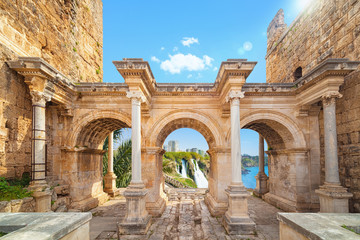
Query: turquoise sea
[249, 178]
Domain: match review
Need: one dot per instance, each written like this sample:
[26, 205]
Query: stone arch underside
[185, 123]
[95, 132]
[91, 129]
[279, 131]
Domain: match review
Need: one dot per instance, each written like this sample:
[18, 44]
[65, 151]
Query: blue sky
[186, 41]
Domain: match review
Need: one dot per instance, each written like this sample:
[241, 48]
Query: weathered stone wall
[65, 33]
[328, 29]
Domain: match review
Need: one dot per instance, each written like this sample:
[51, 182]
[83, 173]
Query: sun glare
[302, 4]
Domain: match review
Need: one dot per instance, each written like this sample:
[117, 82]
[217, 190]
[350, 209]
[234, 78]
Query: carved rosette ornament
[39, 98]
[330, 97]
[234, 95]
[136, 96]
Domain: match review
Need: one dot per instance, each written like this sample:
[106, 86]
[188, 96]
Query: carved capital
[234, 95]
[330, 97]
[39, 98]
[136, 96]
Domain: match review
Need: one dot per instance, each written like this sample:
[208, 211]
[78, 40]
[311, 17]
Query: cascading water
[200, 178]
[183, 169]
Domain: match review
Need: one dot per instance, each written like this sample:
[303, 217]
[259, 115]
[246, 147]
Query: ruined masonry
[54, 118]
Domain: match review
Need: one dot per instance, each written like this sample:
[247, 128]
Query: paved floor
[184, 220]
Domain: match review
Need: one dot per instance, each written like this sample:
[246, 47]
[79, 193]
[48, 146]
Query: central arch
[213, 134]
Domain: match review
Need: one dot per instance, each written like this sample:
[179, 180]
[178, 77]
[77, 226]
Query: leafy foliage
[122, 164]
[9, 192]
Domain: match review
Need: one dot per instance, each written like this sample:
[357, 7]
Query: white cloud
[189, 76]
[186, 41]
[189, 62]
[162, 48]
[215, 69]
[175, 49]
[155, 59]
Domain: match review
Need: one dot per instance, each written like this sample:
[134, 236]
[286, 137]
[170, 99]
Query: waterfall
[200, 178]
[183, 169]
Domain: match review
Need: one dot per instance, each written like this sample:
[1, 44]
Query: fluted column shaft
[261, 154]
[136, 99]
[330, 139]
[38, 147]
[111, 153]
[234, 98]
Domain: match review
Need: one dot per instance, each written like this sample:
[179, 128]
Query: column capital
[39, 98]
[136, 95]
[234, 95]
[330, 97]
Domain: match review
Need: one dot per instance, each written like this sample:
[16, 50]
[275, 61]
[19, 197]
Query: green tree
[122, 164]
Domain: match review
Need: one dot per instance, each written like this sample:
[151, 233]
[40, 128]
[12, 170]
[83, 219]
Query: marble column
[237, 220]
[137, 219]
[333, 197]
[39, 186]
[110, 177]
[261, 178]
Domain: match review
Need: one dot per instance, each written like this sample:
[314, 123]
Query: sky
[186, 41]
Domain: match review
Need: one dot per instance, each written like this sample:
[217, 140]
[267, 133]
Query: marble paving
[184, 220]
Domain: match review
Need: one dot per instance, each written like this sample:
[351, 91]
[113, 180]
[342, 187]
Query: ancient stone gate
[78, 118]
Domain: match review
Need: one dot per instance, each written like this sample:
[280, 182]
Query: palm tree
[122, 164]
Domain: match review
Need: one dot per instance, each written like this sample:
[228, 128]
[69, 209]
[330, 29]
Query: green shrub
[9, 192]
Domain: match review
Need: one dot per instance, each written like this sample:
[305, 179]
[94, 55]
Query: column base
[137, 220]
[333, 198]
[215, 208]
[237, 220]
[261, 185]
[110, 184]
[42, 195]
[157, 208]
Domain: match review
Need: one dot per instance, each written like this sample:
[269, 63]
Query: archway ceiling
[95, 132]
[185, 123]
[276, 134]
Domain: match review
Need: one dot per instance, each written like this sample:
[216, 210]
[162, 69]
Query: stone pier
[261, 178]
[39, 186]
[110, 177]
[333, 197]
[137, 219]
[236, 219]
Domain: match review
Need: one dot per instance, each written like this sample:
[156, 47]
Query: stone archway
[152, 156]
[289, 163]
[82, 159]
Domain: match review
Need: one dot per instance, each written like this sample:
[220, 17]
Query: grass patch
[187, 182]
[2, 234]
[349, 228]
[13, 189]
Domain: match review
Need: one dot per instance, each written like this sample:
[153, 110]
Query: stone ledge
[321, 225]
[41, 226]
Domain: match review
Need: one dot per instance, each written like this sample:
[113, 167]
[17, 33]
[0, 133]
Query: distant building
[201, 152]
[188, 150]
[194, 150]
[173, 146]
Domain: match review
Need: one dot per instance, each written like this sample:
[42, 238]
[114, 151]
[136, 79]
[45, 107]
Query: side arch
[196, 120]
[93, 127]
[279, 130]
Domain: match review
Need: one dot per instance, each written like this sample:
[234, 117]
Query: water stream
[183, 169]
[200, 178]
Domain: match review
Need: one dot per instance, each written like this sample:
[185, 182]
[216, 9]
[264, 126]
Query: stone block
[62, 190]
[5, 206]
